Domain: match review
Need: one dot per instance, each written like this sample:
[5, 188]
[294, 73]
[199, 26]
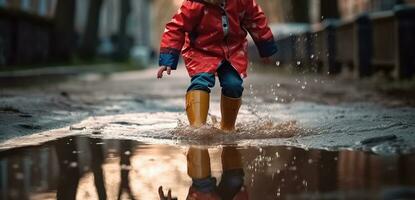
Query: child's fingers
[168, 70]
[169, 194]
[161, 193]
[160, 72]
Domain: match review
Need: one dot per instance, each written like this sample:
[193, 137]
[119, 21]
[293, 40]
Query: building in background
[146, 19]
[135, 24]
[39, 7]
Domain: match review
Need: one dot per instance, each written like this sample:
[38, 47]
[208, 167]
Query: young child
[211, 36]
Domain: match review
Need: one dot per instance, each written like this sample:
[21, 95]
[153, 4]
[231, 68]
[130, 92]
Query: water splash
[248, 130]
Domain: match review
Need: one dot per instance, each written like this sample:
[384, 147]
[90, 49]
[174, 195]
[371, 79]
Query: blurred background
[336, 49]
[315, 35]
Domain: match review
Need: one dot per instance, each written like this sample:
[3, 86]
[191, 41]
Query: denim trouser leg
[203, 81]
[230, 81]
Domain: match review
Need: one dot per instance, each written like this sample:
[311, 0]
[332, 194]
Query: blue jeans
[230, 81]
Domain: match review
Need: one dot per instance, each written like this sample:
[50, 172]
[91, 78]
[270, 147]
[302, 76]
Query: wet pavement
[88, 168]
[307, 111]
[299, 137]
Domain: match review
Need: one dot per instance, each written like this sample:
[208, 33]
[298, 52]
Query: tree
[122, 45]
[90, 37]
[63, 39]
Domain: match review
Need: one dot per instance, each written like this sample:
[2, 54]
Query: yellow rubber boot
[198, 163]
[197, 107]
[231, 159]
[229, 108]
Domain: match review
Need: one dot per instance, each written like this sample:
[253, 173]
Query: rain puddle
[80, 167]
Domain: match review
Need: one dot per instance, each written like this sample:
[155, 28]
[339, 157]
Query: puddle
[92, 168]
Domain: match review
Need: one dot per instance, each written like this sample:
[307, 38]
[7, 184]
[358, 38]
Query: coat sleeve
[175, 32]
[256, 23]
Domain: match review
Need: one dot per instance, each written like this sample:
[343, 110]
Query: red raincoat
[207, 34]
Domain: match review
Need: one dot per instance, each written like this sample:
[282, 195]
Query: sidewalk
[50, 74]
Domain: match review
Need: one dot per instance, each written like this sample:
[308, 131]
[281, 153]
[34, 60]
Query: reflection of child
[211, 36]
[204, 186]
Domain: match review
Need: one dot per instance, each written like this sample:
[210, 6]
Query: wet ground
[88, 168]
[299, 136]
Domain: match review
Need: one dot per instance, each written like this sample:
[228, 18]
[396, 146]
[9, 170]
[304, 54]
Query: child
[204, 186]
[211, 36]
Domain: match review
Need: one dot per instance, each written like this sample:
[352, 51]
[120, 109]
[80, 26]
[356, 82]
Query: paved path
[279, 108]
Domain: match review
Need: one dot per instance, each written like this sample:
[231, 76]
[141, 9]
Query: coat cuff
[267, 48]
[204, 185]
[169, 57]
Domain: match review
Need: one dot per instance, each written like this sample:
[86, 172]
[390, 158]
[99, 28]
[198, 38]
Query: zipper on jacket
[225, 27]
[225, 19]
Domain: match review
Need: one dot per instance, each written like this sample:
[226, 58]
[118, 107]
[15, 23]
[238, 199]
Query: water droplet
[278, 85]
[19, 176]
[298, 63]
[312, 56]
[73, 164]
[276, 98]
[305, 183]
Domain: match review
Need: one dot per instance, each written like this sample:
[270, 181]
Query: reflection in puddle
[86, 168]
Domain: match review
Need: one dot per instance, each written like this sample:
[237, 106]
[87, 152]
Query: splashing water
[247, 130]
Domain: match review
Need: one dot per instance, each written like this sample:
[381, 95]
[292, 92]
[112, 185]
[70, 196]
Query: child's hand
[162, 70]
[168, 197]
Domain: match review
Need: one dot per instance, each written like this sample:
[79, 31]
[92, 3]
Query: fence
[24, 38]
[368, 44]
[354, 45]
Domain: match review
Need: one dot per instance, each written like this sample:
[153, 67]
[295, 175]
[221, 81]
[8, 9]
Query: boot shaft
[229, 109]
[197, 107]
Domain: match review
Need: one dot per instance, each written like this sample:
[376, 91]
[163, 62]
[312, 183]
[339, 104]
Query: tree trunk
[123, 47]
[63, 39]
[90, 38]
